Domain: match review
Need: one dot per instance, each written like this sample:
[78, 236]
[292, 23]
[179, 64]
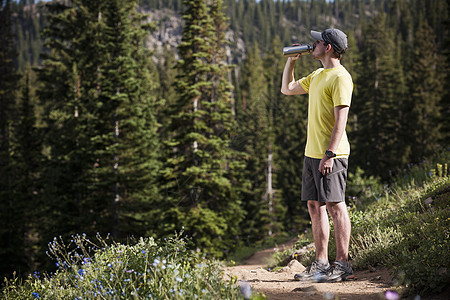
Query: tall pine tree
[379, 136]
[257, 141]
[201, 173]
[11, 217]
[101, 130]
[426, 87]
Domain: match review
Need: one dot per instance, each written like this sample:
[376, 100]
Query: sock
[323, 262]
[344, 263]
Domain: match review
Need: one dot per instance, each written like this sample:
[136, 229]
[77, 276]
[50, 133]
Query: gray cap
[336, 38]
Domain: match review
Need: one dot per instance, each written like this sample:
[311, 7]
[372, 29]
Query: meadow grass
[145, 269]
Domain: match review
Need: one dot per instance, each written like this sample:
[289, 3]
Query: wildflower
[391, 295]
[156, 262]
[246, 290]
[179, 279]
[35, 295]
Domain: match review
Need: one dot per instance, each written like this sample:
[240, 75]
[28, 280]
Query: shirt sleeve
[305, 82]
[342, 91]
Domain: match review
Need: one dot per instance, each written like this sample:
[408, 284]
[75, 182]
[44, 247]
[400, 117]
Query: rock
[295, 266]
[377, 278]
[284, 270]
[259, 271]
[429, 201]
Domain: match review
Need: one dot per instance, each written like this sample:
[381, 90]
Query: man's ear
[329, 48]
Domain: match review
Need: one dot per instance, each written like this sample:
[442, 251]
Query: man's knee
[337, 209]
[316, 207]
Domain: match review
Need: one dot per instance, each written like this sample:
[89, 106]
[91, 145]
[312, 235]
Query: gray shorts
[328, 188]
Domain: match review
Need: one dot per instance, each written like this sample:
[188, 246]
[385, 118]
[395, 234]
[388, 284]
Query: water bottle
[294, 50]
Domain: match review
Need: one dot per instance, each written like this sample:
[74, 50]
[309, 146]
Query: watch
[330, 154]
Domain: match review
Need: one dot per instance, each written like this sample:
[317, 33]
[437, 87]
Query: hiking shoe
[315, 271]
[339, 272]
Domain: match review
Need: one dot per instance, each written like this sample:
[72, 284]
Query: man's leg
[318, 270]
[341, 269]
[342, 228]
[320, 228]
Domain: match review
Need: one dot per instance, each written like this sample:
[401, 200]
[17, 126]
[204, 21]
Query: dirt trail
[281, 285]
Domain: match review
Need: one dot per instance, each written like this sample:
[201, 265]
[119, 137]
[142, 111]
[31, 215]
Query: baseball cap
[336, 38]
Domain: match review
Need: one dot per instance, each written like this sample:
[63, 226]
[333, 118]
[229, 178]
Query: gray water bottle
[294, 50]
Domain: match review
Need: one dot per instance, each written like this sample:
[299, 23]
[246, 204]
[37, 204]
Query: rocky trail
[369, 284]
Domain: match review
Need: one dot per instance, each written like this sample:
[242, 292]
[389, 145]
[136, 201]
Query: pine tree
[378, 106]
[167, 75]
[201, 171]
[289, 125]
[27, 158]
[133, 147]
[255, 139]
[445, 101]
[426, 88]
[11, 233]
[101, 129]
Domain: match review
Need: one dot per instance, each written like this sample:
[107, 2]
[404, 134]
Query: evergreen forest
[103, 134]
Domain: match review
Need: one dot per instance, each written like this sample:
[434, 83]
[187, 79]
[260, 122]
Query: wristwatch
[330, 154]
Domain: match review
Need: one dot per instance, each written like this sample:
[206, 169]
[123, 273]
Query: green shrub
[144, 270]
[423, 259]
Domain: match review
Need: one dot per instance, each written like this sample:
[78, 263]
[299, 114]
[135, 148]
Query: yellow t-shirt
[327, 88]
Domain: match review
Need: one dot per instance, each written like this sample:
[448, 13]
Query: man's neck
[330, 62]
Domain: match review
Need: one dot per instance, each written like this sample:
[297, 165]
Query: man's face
[318, 49]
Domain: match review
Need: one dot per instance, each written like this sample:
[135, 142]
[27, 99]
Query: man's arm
[340, 117]
[289, 86]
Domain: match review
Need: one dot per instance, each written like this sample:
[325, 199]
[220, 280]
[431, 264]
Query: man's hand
[289, 86]
[294, 58]
[326, 165]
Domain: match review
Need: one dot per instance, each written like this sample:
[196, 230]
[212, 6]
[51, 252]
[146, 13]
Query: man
[326, 154]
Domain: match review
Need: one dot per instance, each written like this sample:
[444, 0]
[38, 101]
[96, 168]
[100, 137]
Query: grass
[143, 270]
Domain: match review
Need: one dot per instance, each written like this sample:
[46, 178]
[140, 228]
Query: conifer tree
[131, 146]
[379, 137]
[255, 138]
[27, 158]
[101, 129]
[426, 88]
[289, 125]
[11, 234]
[167, 75]
[201, 171]
[445, 102]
